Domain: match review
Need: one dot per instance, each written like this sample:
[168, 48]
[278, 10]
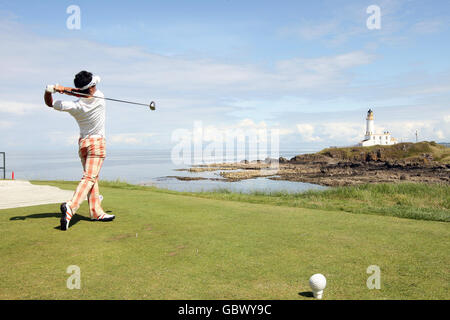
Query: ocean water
[149, 167]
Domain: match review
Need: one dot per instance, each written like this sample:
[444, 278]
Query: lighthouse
[369, 124]
[371, 138]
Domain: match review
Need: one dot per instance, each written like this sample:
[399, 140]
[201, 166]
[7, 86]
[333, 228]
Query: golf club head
[152, 105]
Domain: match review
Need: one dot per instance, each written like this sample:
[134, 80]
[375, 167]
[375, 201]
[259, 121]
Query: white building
[371, 138]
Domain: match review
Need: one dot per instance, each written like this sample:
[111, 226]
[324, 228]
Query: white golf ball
[318, 282]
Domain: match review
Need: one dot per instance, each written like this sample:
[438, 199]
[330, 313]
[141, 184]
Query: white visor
[94, 81]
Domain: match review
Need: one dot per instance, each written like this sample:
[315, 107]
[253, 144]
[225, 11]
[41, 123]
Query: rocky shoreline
[332, 169]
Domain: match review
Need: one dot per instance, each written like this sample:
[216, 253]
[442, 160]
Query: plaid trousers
[92, 154]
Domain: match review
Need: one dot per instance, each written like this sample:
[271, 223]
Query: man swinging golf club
[89, 112]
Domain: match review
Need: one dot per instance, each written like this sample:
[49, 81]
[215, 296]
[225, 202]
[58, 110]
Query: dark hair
[82, 78]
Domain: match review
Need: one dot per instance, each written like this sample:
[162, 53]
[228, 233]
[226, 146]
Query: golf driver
[151, 105]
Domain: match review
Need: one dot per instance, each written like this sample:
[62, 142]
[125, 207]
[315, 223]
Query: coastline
[337, 167]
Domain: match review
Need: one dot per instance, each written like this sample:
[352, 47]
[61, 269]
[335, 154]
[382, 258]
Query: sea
[143, 167]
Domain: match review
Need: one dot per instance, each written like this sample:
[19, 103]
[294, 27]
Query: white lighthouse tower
[370, 129]
[371, 138]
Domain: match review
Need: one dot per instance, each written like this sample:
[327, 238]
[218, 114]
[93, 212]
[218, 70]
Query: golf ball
[318, 282]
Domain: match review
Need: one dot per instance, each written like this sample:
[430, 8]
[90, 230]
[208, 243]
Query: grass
[404, 200]
[167, 245]
[400, 151]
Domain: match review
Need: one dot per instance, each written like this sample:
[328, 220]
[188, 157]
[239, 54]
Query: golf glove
[50, 88]
[53, 88]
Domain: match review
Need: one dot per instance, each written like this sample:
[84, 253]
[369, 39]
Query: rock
[270, 160]
[371, 156]
[342, 164]
[355, 164]
[335, 167]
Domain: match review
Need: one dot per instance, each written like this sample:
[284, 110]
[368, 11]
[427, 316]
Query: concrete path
[20, 193]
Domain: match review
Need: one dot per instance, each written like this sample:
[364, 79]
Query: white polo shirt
[89, 113]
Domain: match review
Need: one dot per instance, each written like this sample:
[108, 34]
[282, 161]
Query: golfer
[90, 116]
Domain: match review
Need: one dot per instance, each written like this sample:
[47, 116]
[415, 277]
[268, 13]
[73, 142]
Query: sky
[310, 69]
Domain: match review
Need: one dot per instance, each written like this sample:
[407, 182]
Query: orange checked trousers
[92, 154]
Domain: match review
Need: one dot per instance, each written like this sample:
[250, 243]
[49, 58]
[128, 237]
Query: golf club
[151, 105]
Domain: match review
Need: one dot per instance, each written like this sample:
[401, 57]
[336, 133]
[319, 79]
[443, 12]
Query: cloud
[340, 25]
[134, 71]
[245, 130]
[130, 138]
[62, 138]
[6, 124]
[224, 95]
[331, 132]
[350, 133]
[426, 129]
[440, 134]
[429, 26]
[344, 131]
[306, 131]
[315, 72]
[311, 31]
[285, 131]
[19, 108]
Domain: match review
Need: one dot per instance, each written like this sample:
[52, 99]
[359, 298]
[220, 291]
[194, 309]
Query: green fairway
[165, 245]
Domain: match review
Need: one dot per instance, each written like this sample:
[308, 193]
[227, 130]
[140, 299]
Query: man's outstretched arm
[50, 89]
